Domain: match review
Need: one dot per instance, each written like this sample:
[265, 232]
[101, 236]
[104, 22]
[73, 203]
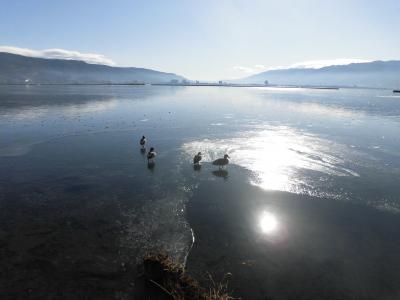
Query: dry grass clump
[170, 279]
[218, 290]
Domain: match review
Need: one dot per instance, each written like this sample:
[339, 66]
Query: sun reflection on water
[268, 223]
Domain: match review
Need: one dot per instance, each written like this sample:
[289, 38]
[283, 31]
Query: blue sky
[206, 39]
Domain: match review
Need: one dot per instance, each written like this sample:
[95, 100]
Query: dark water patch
[77, 188]
[77, 227]
[320, 248]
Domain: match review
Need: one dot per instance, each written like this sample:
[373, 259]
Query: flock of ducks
[151, 155]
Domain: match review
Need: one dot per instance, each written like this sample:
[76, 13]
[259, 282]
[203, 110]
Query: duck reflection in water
[197, 167]
[151, 165]
[221, 173]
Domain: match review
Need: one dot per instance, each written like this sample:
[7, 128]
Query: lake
[308, 207]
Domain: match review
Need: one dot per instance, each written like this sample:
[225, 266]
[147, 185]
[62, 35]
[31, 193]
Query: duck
[151, 155]
[197, 158]
[142, 141]
[221, 162]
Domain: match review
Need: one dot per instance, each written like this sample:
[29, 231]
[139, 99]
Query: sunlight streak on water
[275, 154]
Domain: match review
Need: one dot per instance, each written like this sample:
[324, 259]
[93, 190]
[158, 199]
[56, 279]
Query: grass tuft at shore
[166, 279]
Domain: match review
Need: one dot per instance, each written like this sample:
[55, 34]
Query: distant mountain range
[17, 69]
[377, 74]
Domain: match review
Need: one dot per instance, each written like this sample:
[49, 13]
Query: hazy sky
[205, 39]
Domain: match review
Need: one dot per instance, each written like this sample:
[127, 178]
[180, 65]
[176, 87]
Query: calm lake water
[308, 208]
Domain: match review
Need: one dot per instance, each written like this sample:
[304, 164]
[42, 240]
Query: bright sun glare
[268, 222]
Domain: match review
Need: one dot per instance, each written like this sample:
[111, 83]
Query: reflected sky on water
[329, 143]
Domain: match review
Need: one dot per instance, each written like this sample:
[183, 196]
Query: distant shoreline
[28, 84]
[201, 85]
[245, 85]
[177, 84]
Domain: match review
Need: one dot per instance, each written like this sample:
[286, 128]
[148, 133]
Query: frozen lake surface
[308, 207]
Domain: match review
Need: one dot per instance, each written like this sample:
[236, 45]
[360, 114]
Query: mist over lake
[308, 207]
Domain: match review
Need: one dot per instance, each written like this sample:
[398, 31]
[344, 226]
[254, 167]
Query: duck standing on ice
[197, 158]
[151, 155]
[221, 162]
[142, 141]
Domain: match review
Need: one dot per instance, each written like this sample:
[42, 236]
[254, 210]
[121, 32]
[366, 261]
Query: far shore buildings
[185, 82]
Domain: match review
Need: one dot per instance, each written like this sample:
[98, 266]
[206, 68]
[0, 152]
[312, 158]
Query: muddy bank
[161, 277]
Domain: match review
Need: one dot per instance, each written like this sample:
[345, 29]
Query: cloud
[250, 70]
[91, 58]
[312, 64]
[247, 70]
